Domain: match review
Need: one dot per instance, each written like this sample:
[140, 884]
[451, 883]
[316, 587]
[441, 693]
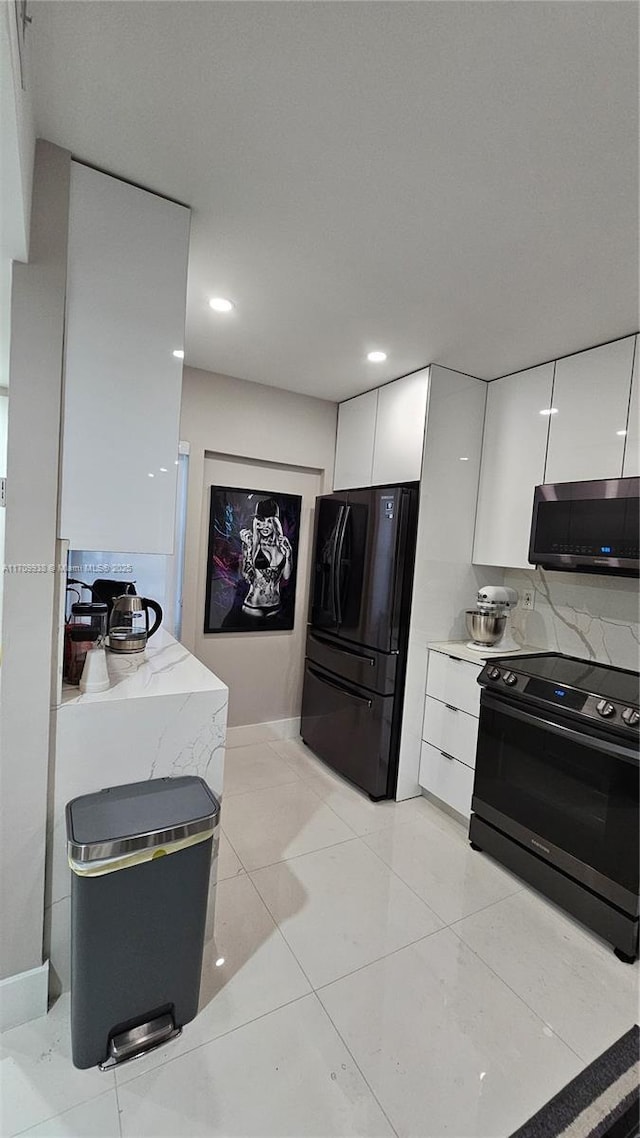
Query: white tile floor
[379, 978]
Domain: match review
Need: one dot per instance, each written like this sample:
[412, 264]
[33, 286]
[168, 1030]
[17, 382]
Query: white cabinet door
[126, 295]
[399, 439]
[513, 455]
[354, 443]
[631, 465]
[450, 730]
[590, 403]
[454, 681]
[448, 779]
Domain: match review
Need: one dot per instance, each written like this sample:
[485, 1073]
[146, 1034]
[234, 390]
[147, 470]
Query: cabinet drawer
[450, 730]
[448, 779]
[454, 681]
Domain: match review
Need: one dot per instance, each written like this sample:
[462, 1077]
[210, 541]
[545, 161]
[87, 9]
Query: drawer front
[448, 779]
[366, 667]
[454, 681]
[450, 730]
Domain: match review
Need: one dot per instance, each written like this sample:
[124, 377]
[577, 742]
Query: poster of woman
[252, 560]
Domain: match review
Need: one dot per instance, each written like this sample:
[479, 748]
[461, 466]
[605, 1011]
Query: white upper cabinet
[397, 452]
[631, 466]
[126, 295]
[381, 434]
[513, 457]
[590, 404]
[354, 443]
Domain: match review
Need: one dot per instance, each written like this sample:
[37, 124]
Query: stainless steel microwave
[588, 527]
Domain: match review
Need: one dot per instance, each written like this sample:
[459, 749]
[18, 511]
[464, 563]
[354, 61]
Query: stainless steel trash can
[141, 859]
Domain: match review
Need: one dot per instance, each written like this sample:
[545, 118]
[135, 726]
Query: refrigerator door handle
[344, 651]
[345, 512]
[332, 684]
[333, 596]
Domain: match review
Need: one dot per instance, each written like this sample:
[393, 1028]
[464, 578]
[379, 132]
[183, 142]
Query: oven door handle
[593, 741]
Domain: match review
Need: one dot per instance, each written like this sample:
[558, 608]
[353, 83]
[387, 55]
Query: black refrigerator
[362, 575]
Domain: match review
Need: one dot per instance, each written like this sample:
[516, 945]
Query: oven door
[569, 796]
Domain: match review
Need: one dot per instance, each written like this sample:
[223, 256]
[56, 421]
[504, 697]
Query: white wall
[17, 146]
[584, 615]
[243, 432]
[37, 321]
[4, 412]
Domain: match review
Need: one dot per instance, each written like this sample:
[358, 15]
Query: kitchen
[478, 449]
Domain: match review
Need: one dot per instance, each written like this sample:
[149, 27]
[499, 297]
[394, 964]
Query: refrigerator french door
[362, 574]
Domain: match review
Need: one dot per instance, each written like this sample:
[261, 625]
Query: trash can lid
[141, 815]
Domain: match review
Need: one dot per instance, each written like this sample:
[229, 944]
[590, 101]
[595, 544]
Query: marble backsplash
[580, 614]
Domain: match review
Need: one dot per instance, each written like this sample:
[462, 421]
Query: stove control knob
[606, 710]
[510, 678]
[494, 673]
[631, 716]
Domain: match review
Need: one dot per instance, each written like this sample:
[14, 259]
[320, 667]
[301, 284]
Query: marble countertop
[164, 668]
[461, 650]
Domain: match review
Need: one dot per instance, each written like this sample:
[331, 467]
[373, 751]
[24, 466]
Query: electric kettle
[129, 623]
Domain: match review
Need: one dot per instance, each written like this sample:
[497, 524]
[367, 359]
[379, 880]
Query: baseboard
[263, 732]
[24, 997]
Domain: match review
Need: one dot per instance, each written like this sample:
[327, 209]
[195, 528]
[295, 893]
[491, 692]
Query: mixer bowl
[485, 627]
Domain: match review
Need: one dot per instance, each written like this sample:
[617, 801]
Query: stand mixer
[488, 623]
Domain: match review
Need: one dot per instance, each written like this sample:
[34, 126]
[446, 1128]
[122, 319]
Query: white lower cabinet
[448, 779]
[450, 730]
[453, 681]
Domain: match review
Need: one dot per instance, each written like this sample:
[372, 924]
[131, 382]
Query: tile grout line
[258, 789]
[353, 971]
[377, 959]
[356, 1064]
[407, 886]
[245, 1023]
[307, 853]
[60, 1113]
[118, 1106]
[207, 1042]
[321, 1005]
[584, 1062]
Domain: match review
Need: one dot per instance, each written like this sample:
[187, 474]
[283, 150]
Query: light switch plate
[528, 599]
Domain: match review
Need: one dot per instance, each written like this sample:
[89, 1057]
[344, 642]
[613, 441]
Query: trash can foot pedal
[140, 1040]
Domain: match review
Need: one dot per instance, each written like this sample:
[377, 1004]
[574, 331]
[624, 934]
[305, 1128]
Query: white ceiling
[451, 182]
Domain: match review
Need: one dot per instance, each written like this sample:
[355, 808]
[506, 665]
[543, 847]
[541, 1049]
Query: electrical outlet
[528, 598]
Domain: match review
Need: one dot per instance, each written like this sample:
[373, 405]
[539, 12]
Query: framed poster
[252, 561]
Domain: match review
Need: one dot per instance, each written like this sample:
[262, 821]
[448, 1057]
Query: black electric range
[555, 795]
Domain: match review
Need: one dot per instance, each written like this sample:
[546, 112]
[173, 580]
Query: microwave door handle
[582, 737]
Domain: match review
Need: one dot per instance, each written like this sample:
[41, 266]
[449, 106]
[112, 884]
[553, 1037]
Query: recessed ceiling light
[179, 354]
[220, 304]
[549, 411]
[464, 458]
[150, 475]
[220, 962]
[623, 433]
[376, 357]
[163, 470]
